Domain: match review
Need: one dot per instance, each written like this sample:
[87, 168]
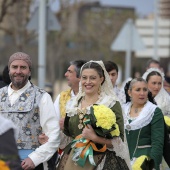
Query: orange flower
[3, 165]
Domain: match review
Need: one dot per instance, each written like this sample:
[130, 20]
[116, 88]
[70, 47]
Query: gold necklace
[81, 113]
[87, 103]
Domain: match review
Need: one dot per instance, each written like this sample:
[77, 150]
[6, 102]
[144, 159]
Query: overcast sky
[143, 7]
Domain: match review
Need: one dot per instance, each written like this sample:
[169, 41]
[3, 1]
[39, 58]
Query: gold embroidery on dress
[81, 113]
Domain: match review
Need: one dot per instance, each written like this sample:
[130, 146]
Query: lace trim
[145, 75]
[101, 165]
[107, 96]
[121, 149]
[163, 100]
[65, 140]
[72, 105]
[142, 120]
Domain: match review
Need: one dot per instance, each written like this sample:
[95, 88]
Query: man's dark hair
[110, 65]
[5, 75]
[78, 64]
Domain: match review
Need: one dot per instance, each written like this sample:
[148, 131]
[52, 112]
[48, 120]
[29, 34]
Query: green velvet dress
[111, 162]
[148, 140]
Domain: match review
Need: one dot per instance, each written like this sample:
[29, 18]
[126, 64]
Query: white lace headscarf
[107, 96]
[162, 98]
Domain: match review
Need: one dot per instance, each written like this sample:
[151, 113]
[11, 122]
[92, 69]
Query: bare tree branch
[5, 4]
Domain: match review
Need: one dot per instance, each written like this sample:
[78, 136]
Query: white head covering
[145, 75]
[162, 98]
[107, 96]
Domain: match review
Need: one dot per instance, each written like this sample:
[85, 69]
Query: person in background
[112, 70]
[32, 111]
[166, 84]
[152, 63]
[155, 79]
[95, 88]
[137, 74]
[5, 77]
[144, 126]
[73, 77]
[8, 147]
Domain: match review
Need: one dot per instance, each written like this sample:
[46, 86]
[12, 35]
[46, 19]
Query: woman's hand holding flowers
[89, 133]
[100, 129]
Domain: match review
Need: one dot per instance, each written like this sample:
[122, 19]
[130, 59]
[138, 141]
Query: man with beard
[32, 111]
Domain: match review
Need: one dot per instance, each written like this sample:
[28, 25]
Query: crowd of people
[92, 125]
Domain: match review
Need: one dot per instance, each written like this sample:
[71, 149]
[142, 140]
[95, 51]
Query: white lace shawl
[163, 101]
[162, 98]
[108, 98]
[72, 105]
[5, 125]
[142, 120]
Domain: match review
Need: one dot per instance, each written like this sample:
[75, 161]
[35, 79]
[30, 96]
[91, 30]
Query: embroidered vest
[25, 115]
[64, 98]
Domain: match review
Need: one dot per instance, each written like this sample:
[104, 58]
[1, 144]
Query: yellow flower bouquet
[167, 122]
[3, 165]
[103, 121]
[166, 150]
[140, 162]
[8, 162]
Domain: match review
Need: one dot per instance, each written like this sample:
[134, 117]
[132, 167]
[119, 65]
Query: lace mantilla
[142, 120]
[163, 101]
[121, 149]
[145, 75]
[107, 96]
[72, 105]
[162, 98]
